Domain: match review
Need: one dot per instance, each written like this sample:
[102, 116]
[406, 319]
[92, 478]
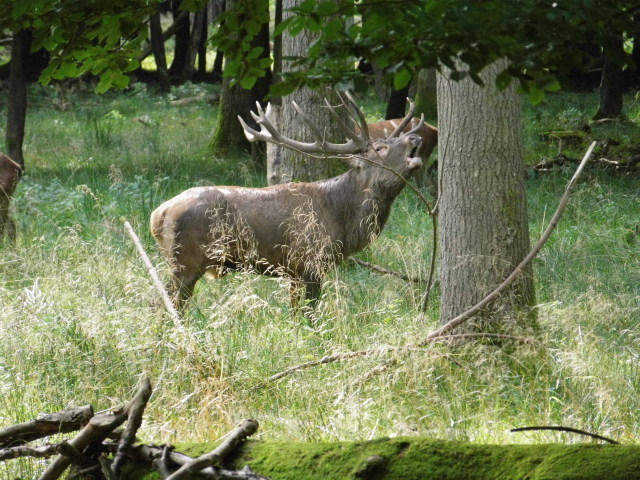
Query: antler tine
[405, 120]
[269, 133]
[361, 122]
[418, 126]
[314, 130]
[359, 139]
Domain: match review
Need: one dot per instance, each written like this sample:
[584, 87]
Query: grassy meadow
[80, 322]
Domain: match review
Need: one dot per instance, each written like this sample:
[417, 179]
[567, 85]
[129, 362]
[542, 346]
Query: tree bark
[182, 37]
[194, 44]
[426, 94]
[17, 101]
[611, 81]
[159, 54]
[483, 214]
[283, 164]
[234, 100]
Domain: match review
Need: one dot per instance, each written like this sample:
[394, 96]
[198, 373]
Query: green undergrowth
[412, 458]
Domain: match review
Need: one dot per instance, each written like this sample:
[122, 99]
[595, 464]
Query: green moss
[419, 458]
[409, 458]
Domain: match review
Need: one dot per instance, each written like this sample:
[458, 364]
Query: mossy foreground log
[418, 458]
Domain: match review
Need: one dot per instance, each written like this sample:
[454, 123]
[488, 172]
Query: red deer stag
[10, 172]
[296, 230]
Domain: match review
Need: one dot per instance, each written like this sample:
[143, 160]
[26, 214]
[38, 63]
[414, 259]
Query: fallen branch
[566, 429]
[439, 333]
[61, 422]
[168, 304]
[134, 420]
[95, 431]
[40, 451]
[385, 271]
[244, 430]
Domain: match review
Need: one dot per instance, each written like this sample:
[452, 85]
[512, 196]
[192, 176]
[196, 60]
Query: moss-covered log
[418, 458]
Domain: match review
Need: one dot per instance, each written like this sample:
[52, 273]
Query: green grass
[80, 322]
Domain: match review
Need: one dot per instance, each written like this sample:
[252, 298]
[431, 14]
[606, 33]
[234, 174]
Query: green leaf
[402, 78]
[503, 80]
[247, 82]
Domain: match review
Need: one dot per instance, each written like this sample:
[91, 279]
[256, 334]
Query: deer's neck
[362, 206]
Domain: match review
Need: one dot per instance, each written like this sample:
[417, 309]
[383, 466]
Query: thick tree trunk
[229, 135]
[159, 54]
[283, 164]
[17, 100]
[483, 213]
[611, 80]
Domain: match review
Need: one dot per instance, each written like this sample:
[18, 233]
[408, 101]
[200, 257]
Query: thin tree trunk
[202, 47]
[397, 103]
[17, 100]
[611, 80]
[194, 44]
[181, 48]
[159, 54]
[484, 231]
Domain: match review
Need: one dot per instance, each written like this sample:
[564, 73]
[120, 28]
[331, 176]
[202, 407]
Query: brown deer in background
[10, 173]
[296, 230]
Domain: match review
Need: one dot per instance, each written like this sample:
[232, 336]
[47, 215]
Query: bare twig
[244, 430]
[385, 271]
[566, 429]
[166, 300]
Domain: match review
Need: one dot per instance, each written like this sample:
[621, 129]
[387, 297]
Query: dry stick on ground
[463, 317]
[134, 421]
[40, 451]
[244, 430]
[96, 430]
[385, 271]
[162, 457]
[166, 300]
[60, 422]
[566, 429]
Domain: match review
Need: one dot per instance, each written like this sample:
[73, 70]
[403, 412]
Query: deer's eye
[380, 148]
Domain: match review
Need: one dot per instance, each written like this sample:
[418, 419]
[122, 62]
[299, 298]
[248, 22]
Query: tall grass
[81, 322]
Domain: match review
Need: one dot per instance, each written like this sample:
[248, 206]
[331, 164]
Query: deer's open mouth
[413, 158]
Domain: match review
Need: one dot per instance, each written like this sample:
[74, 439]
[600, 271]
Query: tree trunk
[611, 80]
[229, 136]
[283, 164]
[17, 101]
[426, 96]
[202, 46]
[484, 230]
[181, 48]
[194, 45]
[397, 103]
[159, 54]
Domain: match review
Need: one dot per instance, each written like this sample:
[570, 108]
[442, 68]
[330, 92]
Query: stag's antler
[356, 143]
[405, 121]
